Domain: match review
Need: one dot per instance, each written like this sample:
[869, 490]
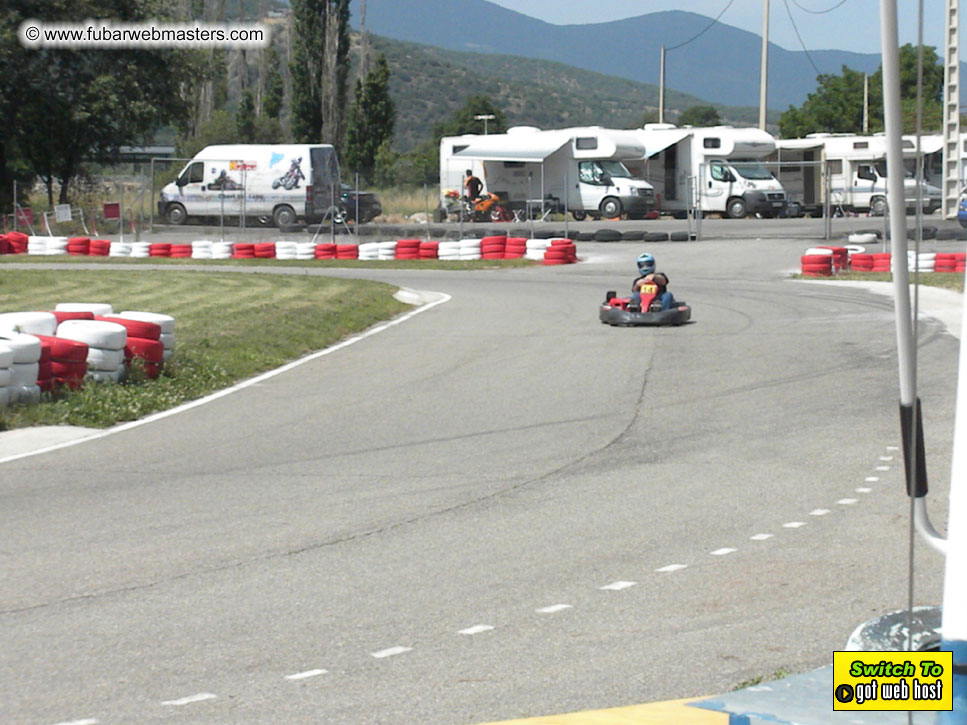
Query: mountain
[721, 64]
[428, 84]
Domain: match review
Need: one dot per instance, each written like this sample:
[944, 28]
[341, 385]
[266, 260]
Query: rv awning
[659, 140]
[524, 147]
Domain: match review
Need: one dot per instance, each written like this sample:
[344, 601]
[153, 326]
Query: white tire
[165, 322]
[25, 374]
[818, 250]
[867, 238]
[6, 375]
[104, 376]
[33, 323]
[105, 360]
[98, 308]
[6, 355]
[169, 351]
[119, 249]
[26, 394]
[168, 340]
[26, 348]
[105, 335]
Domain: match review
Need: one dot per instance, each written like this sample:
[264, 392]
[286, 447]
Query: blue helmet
[646, 264]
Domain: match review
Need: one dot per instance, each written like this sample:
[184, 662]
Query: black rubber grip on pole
[911, 427]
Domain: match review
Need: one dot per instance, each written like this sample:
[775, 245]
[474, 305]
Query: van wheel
[176, 214]
[579, 216]
[737, 208]
[878, 206]
[284, 216]
[610, 208]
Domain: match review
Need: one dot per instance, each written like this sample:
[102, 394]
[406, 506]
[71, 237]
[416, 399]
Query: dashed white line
[886, 458]
[819, 512]
[306, 675]
[200, 697]
[392, 651]
[554, 608]
[87, 721]
[863, 490]
[882, 468]
[617, 586]
[761, 537]
[847, 501]
[723, 551]
[476, 629]
[871, 479]
[893, 448]
[793, 524]
[672, 567]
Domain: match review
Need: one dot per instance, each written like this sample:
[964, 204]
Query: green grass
[944, 280]
[471, 264]
[228, 327]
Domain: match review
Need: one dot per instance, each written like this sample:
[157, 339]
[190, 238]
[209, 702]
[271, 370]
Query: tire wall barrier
[76, 343]
[826, 261]
[561, 251]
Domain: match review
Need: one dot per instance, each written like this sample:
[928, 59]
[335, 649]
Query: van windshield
[880, 167]
[615, 169]
[752, 170]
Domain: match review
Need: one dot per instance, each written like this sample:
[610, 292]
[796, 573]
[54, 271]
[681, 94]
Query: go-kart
[618, 311]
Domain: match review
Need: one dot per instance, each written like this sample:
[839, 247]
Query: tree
[319, 69]
[245, 118]
[274, 92]
[699, 116]
[371, 119]
[837, 105]
[464, 119]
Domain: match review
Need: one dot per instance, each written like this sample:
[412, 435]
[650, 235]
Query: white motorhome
[855, 166]
[281, 182]
[579, 169]
[710, 169]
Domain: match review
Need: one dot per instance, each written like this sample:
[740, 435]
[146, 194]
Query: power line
[819, 12]
[704, 30]
[798, 36]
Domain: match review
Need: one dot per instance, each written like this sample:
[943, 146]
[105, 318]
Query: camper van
[577, 169]
[710, 169]
[281, 183]
[855, 166]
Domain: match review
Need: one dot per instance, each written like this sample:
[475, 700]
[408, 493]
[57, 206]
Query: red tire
[135, 328]
[816, 259]
[152, 351]
[817, 268]
[64, 350]
[68, 369]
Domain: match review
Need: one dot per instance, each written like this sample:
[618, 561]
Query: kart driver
[648, 275]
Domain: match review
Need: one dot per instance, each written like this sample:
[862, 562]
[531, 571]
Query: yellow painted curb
[672, 712]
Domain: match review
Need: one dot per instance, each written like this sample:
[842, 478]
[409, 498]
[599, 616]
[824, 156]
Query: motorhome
[710, 169]
[848, 171]
[281, 183]
[580, 170]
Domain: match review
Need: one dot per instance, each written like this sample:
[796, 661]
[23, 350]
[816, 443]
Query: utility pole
[661, 86]
[485, 117]
[764, 71]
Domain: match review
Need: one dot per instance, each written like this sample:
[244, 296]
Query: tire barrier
[496, 246]
[817, 263]
[81, 346]
[856, 259]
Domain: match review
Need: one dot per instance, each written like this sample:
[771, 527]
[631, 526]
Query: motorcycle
[485, 208]
[290, 180]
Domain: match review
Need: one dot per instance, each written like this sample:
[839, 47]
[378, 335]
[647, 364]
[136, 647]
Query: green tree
[62, 107]
[245, 118]
[274, 93]
[319, 69]
[371, 119]
[837, 104]
[699, 116]
[464, 119]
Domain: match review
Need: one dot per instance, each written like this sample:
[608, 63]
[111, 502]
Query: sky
[823, 24]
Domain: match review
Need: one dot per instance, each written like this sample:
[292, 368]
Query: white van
[710, 169]
[856, 168]
[577, 168]
[279, 182]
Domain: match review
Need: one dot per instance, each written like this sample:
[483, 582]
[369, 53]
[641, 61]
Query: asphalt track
[497, 509]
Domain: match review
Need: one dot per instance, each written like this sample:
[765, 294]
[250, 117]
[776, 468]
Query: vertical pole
[121, 214]
[15, 205]
[866, 103]
[151, 200]
[426, 209]
[356, 218]
[566, 234]
[764, 69]
[661, 86]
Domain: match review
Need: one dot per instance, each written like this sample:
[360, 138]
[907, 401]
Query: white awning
[533, 148]
[657, 140]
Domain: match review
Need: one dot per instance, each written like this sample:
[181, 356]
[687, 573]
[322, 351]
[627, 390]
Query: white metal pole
[764, 70]
[661, 86]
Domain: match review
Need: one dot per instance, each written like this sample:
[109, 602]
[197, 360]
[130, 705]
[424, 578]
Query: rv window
[712, 142]
[459, 147]
[752, 170]
[589, 172]
[866, 172]
[513, 164]
[587, 143]
[720, 172]
[861, 144]
[835, 166]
